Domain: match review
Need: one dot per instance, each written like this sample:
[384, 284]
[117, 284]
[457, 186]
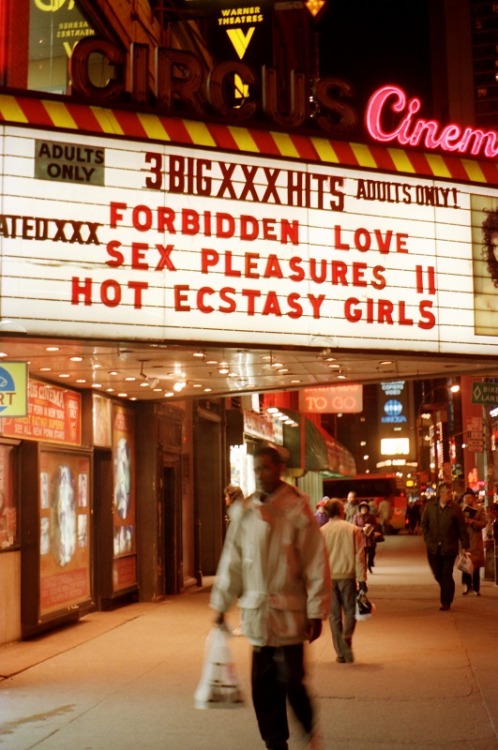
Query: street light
[428, 409]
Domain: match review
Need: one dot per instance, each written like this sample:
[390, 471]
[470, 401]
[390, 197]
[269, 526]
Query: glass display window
[9, 515]
[55, 26]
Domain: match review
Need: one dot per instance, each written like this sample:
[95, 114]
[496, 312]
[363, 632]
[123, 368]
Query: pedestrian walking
[274, 562]
[367, 522]
[321, 514]
[351, 507]
[443, 526]
[475, 518]
[344, 545]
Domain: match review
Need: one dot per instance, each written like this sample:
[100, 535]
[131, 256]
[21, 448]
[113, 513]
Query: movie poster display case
[56, 529]
[116, 575]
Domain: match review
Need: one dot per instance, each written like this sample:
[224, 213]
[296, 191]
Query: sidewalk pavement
[422, 679]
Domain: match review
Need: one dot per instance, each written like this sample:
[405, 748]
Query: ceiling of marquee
[145, 372]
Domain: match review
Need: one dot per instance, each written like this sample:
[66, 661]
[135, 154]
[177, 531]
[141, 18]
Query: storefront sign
[334, 399]
[218, 247]
[54, 416]
[181, 84]
[69, 162]
[258, 426]
[13, 389]
[392, 102]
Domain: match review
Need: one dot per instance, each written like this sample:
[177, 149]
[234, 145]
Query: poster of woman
[485, 264]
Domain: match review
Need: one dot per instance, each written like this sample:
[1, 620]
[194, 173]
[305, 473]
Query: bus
[374, 487]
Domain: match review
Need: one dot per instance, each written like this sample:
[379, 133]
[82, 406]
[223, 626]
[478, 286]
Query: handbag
[364, 607]
[219, 685]
[464, 563]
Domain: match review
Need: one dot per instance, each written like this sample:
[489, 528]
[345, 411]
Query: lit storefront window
[55, 26]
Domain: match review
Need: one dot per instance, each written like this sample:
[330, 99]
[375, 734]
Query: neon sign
[181, 85]
[388, 102]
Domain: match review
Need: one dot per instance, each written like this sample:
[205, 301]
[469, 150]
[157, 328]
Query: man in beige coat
[274, 562]
[344, 545]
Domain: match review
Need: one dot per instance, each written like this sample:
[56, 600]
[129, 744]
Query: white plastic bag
[464, 563]
[219, 686]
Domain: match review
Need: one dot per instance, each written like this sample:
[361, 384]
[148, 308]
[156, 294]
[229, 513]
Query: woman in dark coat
[367, 522]
[475, 518]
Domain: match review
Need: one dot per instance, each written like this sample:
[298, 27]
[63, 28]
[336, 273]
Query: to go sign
[334, 399]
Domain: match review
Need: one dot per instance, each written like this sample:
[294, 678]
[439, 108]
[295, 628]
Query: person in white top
[274, 562]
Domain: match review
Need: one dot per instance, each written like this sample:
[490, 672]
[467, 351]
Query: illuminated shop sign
[181, 243]
[53, 415]
[182, 85]
[332, 399]
[13, 389]
[390, 103]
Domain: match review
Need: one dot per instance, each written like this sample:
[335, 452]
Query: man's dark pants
[442, 568]
[277, 675]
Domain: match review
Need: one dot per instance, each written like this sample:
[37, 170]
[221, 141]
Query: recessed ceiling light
[197, 385]
[157, 390]
[3, 354]
[96, 385]
[283, 370]
[199, 354]
[168, 394]
[114, 372]
[212, 362]
[81, 380]
[123, 395]
[207, 390]
[64, 375]
[144, 384]
[96, 366]
[51, 348]
[223, 370]
[133, 398]
[76, 359]
[110, 390]
[342, 377]
[45, 369]
[295, 381]
[130, 379]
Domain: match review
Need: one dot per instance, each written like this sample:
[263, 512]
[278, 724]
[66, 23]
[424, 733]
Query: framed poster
[64, 529]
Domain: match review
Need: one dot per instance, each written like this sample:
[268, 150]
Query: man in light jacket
[344, 545]
[274, 562]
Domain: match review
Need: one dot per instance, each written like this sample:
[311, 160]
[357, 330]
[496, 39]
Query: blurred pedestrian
[274, 561]
[351, 507]
[475, 518]
[385, 515]
[321, 514]
[367, 522]
[232, 493]
[444, 527]
[344, 544]
[413, 516]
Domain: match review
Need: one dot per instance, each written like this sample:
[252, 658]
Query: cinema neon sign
[391, 117]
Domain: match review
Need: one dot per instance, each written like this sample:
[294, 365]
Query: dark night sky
[373, 42]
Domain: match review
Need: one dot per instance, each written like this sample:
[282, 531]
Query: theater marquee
[175, 243]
